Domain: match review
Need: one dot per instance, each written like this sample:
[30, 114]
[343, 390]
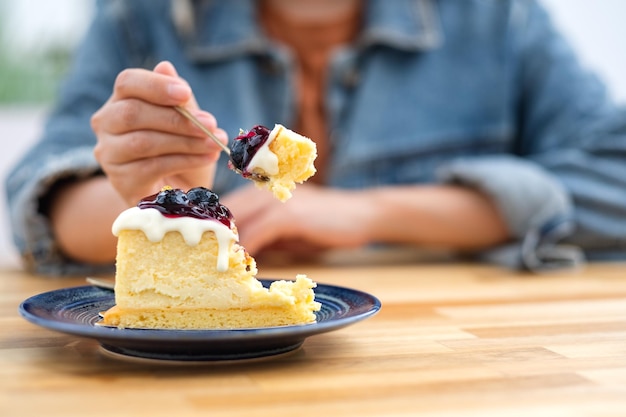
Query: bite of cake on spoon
[281, 155]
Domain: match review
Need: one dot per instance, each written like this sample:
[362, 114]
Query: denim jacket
[483, 93]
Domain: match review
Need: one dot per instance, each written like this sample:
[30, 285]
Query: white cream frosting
[155, 225]
[264, 160]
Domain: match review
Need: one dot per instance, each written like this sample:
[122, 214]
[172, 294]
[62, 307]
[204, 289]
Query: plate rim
[101, 333]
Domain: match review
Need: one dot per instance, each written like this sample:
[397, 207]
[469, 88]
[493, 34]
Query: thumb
[167, 68]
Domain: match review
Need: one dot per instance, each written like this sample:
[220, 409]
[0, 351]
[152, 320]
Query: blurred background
[37, 38]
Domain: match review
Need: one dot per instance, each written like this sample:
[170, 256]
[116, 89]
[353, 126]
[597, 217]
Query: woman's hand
[144, 144]
[315, 217]
[435, 216]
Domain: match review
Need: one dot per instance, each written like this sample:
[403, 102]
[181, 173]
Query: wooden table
[450, 340]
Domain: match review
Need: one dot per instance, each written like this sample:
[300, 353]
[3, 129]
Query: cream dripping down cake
[281, 155]
[179, 266]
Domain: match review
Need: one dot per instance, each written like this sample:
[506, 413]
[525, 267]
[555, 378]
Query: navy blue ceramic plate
[76, 310]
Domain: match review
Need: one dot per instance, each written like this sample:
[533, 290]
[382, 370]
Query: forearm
[444, 216]
[81, 215]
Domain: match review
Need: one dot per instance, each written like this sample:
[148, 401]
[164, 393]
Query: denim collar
[227, 29]
[410, 25]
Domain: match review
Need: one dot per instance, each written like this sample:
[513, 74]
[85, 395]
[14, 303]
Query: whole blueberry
[202, 196]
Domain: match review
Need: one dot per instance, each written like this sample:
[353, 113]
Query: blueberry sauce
[246, 146]
[198, 202]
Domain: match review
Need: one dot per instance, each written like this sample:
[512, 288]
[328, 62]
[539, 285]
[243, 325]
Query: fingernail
[179, 91]
[205, 120]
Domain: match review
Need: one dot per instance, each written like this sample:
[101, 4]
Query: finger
[246, 202]
[154, 87]
[148, 144]
[266, 228]
[128, 115]
[167, 68]
[145, 172]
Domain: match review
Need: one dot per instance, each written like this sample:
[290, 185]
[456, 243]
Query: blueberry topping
[172, 198]
[198, 202]
[246, 146]
[203, 196]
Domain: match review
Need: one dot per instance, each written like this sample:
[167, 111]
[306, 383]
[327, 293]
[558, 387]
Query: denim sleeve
[564, 186]
[535, 206]
[31, 228]
[65, 150]
[573, 129]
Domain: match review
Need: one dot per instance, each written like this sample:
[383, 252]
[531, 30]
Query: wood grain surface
[450, 340]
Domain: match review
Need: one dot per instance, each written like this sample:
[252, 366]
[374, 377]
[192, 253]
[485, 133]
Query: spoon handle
[206, 131]
[106, 284]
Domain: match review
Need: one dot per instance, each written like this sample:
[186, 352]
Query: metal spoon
[250, 175]
[106, 284]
